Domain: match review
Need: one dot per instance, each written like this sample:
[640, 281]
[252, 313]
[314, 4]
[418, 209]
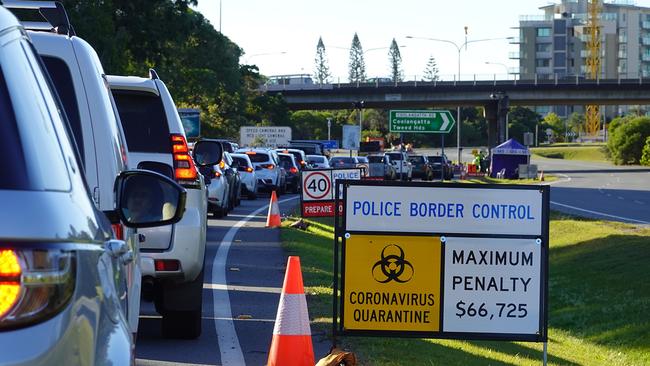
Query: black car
[421, 167]
[288, 163]
[233, 178]
[440, 164]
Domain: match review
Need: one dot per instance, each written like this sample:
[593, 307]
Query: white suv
[172, 256]
[400, 161]
[268, 172]
[79, 80]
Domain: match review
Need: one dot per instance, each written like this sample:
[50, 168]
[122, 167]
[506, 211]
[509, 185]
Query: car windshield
[362, 159]
[416, 159]
[317, 159]
[342, 161]
[375, 159]
[144, 121]
[395, 156]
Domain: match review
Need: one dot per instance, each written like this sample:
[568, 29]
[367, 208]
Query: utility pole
[329, 126]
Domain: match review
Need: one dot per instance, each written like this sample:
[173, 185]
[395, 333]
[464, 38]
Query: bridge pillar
[496, 112]
[491, 116]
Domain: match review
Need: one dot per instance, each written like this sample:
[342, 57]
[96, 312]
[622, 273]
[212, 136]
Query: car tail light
[118, 231]
[251, 153]
[269, 166]
[293, 170]
[249, 169]
[35, 284]
[222, 164]
[184, 168]
[302, 163]
[217, 174]
[167, 265]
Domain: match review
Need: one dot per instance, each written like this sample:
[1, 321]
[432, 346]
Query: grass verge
[580, 152]
[599, 301]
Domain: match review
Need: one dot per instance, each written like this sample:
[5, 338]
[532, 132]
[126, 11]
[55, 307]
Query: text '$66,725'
[502, 310]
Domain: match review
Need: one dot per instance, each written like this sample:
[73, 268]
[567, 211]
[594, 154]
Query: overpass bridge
[494, 95]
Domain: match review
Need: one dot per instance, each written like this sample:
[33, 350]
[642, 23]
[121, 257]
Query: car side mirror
[146, 199]
[207, 152]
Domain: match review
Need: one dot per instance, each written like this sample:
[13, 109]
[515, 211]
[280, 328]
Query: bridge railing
[452, 80]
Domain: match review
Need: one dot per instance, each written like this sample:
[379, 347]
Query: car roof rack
[53, 12]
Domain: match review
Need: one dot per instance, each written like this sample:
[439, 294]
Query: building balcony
[645, 41]
[645, 57]
[645, 25]
[621, 69]
[622, 38]
[516, 55]
[622, 54]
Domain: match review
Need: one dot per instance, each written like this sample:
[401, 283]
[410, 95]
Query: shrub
[627, 137]
[645, 155]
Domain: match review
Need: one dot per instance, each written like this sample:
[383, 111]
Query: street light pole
[459, 48]
[329, 125]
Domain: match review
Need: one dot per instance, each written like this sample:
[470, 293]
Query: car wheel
[217, 212]
[181, 324]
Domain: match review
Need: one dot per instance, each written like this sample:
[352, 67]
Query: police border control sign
[437, 260]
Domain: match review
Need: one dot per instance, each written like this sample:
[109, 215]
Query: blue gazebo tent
[508, 156]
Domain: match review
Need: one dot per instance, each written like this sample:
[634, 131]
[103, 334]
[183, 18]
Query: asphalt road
[244, 271]
[599, 190]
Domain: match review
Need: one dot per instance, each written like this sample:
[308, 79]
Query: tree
[322, 72]
[520, 121]
[395, 59]
[431, 70]
[576, 123]
[357, 66]
[555, 123]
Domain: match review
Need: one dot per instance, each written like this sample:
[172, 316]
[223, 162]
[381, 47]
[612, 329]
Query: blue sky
[265, 29]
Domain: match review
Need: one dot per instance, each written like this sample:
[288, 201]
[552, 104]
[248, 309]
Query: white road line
[229, 347]
[268, 290]
[599, 213]
[145, 362]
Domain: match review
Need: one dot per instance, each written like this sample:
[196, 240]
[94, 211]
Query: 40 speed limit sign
[317, 198]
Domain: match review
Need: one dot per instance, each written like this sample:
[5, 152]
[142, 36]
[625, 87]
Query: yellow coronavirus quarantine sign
[392, 283]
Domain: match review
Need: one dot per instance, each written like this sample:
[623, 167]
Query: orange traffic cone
[273, 218]
[291, 344]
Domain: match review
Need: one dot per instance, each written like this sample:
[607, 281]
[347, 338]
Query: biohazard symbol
[392, 266]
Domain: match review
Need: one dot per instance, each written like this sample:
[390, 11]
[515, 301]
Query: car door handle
[116, 248]
[120, 250]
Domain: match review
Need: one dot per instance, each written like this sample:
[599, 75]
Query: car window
[42, 166]
[375, 159]
[416, 159]
[343, 161]
[237, 161]
[259, 158]
[144, 121]
[317, 159]
[435, 159]
[13, 158]
[62, 80]
[286, 161]
[395, 156]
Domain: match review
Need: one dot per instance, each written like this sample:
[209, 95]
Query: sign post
[429, 260]
[190, 118]
[272, 136]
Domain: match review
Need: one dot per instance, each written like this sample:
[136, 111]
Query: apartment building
[554, 44]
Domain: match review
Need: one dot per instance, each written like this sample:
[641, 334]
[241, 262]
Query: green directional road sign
[425, 121]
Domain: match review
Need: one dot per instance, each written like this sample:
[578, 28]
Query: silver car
[62, 275]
